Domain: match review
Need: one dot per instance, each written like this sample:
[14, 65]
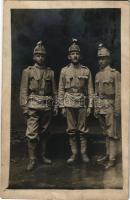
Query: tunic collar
[106, 68]
[72, 66]
[38, 66]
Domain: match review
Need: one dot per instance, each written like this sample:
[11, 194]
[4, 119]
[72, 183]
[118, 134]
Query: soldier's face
[74, 57]
[39, 58]
[103, 61]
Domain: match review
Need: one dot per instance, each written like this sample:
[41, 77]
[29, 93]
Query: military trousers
[108, 125]
[76, 120]
[38, 123]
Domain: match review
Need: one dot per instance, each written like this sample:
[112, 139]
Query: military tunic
[107, 99]
[38, 96]
[76, 95]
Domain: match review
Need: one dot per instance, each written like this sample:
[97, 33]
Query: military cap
[74, 46]
[102, 51]
[39, 48]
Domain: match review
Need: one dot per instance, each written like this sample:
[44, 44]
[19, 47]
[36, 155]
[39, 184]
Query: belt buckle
[101, 97]
[41, 93]
[75, 90]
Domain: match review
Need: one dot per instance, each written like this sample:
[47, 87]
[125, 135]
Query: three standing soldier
[38, 100]
[76, 100]
[107, 103]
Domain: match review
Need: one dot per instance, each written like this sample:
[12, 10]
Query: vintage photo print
[65, 100]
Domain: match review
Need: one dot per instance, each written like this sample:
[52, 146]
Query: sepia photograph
[65, 119]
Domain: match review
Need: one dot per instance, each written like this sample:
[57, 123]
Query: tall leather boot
[112, 156]
[106, 156]
[32, 154]
[43, 148]
[83, 148]
[73, 145]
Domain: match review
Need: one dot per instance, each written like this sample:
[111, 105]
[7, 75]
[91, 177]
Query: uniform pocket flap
[83, 77]
[48, 78]
[68, 78]
[97, 81]
[35, 74]
[106, 81]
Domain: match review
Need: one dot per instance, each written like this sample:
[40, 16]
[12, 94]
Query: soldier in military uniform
[38, 101]
[107, 103]
[76, 100]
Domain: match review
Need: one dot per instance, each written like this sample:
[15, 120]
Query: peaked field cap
[39, 49]
[102, 51]
[74, 46]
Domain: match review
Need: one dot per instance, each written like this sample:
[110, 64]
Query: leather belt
[74, 90]
[104, 96]
[39, 93]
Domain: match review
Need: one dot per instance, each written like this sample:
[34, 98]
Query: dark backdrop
[56, 27]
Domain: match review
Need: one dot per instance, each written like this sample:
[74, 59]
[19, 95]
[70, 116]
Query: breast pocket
[108, 87]
[83, 81]
[48, 86]
[34, 84]
[68, 83]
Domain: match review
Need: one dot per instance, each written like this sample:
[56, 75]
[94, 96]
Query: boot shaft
[83, 144]
[32, 144]
[73, 144]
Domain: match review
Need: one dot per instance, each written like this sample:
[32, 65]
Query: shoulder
[115, 72]
[27, 70]
[85, 68]
[64, 69]
[98, 74]
[50, 69]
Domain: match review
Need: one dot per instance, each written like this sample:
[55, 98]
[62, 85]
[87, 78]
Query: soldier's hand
[88, 112]
[25, 112]
[63, 112]
[96, 114]
[55, 111]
